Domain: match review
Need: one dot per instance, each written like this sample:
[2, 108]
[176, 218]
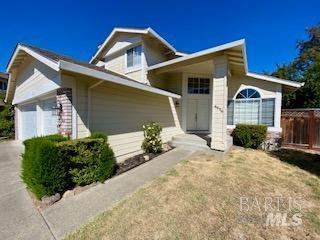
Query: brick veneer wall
[64, 99]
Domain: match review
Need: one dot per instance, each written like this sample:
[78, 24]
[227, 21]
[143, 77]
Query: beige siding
[121, 111]
[237, 82]
[79, 87]
[219, 105]
[82, 108]
[136, 75]
[153, 53]
[34, 79]
[116, 63]
[122, 41]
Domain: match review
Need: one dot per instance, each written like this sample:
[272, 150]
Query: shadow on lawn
[306, 161]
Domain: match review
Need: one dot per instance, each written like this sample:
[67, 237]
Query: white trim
[72, 67]
[162, 40]
[132, 30]
[240, 42]
[243, 87]
[134, 68]
[46, 61]
[275, 80]
[182, 54]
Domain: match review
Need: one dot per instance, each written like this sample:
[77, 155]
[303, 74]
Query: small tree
[152, 141]
[6, 119]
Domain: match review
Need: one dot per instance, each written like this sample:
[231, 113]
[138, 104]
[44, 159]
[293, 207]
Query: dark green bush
[91, 160]
[249, 136]
[52, 164]
[152, 141]
[6, 121]
[99, 135]
[43, 170]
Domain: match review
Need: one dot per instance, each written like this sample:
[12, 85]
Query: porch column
[219, 104]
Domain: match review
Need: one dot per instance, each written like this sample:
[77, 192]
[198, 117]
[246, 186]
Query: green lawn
[200, 199]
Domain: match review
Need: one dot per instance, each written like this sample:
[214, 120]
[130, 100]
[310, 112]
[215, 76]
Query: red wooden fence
[301, 127]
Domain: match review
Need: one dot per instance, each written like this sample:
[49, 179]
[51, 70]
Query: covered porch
[202, 80]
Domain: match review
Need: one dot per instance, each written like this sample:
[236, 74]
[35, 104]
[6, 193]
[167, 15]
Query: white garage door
[49, 118]
[28, 121]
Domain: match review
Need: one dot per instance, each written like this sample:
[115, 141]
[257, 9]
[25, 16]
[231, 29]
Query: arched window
[248, 93]
[250, 108]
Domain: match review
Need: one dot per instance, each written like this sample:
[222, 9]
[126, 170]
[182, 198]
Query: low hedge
[249, 136]
[90, 160]
[54, 164]
[43, 170]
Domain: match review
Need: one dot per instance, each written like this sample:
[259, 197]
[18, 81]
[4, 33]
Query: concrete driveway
[19, 219]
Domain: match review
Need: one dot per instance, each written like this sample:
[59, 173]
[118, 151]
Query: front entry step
[189, 141]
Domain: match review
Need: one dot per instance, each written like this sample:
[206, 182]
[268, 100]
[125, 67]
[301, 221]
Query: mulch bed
[138, 160]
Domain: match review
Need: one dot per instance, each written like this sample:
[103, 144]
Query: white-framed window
[249, 108]
[198, 85]
[133, 58]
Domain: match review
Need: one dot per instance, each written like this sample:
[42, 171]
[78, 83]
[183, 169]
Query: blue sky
[75, 28]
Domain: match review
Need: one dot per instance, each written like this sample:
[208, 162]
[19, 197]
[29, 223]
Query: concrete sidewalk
[19, 219]
[68, 214]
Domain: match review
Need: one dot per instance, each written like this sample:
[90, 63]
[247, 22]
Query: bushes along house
[249, 136]
[54, 164]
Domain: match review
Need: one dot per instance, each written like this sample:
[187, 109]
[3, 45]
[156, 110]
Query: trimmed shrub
[44, 171]
[249, 136]
[91, 160]
[52, 164]
[97, 135]
[152, 141]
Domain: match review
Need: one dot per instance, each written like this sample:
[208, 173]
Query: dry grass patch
[200, 199]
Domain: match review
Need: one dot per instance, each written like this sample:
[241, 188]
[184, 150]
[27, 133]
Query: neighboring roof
[60, 62]
[4, 75]
[138, 31]
[207, 52]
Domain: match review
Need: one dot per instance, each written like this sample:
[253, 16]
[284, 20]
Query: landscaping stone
[48, 201]
[68, 193]
[146, 157]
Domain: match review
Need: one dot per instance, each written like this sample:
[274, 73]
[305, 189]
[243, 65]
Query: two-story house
[136, 76]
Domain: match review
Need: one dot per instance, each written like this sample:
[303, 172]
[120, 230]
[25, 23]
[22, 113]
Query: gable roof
[59, 62]
[288, 83]
[145, 31]
[232, 59]
[201, 55]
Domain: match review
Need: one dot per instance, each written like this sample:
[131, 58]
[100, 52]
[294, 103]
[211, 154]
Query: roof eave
[276, 80]
[72, 67]
[208, 51]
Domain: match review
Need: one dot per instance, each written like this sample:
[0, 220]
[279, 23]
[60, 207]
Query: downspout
[89, 104]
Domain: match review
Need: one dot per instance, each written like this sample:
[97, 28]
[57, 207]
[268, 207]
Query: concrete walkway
[19, 219]
[68, 214]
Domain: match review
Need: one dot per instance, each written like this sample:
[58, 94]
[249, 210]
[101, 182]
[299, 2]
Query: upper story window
[133, 56]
